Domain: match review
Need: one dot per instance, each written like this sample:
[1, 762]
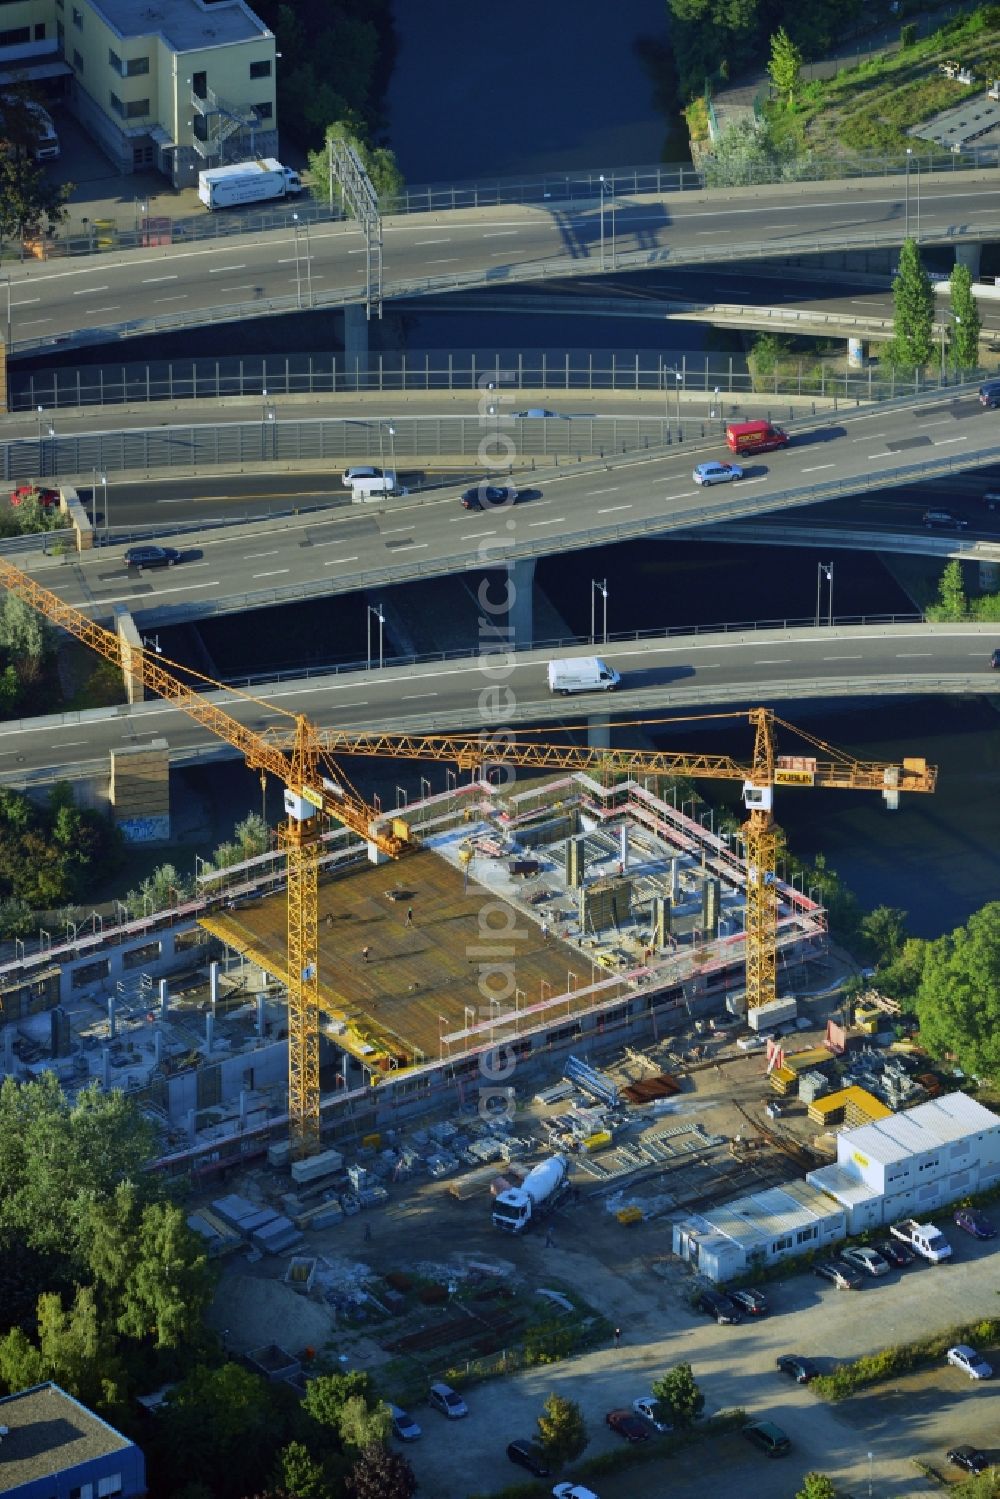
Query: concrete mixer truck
[514, 1209]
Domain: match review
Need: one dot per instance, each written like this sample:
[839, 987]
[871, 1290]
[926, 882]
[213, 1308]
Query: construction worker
[364, 953]
[409, 916]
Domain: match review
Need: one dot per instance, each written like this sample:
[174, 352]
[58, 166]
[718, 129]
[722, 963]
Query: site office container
[755, 437]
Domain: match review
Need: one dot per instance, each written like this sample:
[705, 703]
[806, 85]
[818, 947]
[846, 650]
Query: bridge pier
[598, 731]
[521, 603]
[989, 577]
[356, 343]
[969, 255]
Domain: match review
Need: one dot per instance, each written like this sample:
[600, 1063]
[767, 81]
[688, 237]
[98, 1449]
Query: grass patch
[875, 1368]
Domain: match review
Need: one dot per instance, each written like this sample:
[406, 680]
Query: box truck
[247, 182]
[582, 674]
[755, 437]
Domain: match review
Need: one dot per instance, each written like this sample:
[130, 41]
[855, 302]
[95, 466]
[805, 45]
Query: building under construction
[568, 916]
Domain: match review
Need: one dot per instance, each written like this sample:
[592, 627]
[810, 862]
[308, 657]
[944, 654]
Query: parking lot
[919, 1417]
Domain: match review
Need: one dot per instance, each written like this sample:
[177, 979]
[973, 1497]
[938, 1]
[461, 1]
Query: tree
[816, 1486]
[26, 636]
[952, 604]
[785, 66]
[562, 1430]
[28, 200]
[958, 998]
[218, 1423]
[884, 929]
[379, 163]
[301, 1474]
[913, 317]
[744, 153]
[381, 1474]
[967, 322]
[72, 1349]
[326, 1396]
[362, 1426]
[677, 1392]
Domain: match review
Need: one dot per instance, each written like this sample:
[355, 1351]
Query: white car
[573, 1491]
[717, 473]
[868, 1260]
[968, 1360]
[646, 1407]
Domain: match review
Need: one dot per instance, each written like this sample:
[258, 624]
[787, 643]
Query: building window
[82, 1491]
[77, 18]
[15, 37]
[265, 110]
[137, 109]
[116, 63]
[108, 1486]
[117, 105]
[77, 61]
[260, 70]
[136, 66]
[40, 32]
[804, 1235]
[60, 34]
[780, 1244]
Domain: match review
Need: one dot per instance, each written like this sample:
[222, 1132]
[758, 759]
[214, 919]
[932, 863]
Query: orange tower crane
[312, 787]
[766, 770]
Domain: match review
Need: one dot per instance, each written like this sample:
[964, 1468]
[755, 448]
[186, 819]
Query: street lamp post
[871, 1459]
[7, 335]
[824, 570]
[392, 446]
[614, 255]
[602, 221]
[602, 589]
[906, 216]
[958, 320]
[375, 609]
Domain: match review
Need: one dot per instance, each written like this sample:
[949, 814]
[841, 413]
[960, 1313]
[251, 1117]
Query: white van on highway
[582, 674]
[376, 487]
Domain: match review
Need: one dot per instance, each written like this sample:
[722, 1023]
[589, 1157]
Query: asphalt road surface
[188, 283]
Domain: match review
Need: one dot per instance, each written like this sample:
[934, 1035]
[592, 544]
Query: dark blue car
[975, 1223]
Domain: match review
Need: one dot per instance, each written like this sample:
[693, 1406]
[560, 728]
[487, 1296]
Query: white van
[582, 674]
[376, 487]
[351, 476]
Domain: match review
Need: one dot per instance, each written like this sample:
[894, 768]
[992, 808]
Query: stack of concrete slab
[267, 1230]
[315, 1167]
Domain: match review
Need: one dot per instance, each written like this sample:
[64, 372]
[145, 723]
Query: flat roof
[840, 1184]
[761, 1215]
[49, 1432]
[926, 1126]
[185, 25]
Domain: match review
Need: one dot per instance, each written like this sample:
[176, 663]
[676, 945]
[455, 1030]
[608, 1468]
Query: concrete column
[106, 1066]
[260, 1017]
[355, 341]
[131, 644]
[158, 1046]
[243, 1106]
[8, 1048]
[675, 879]
[209, 1032]
[989, 577]
[623, 855]
[190, 1125]
[520, 619]
[112, 1032]
[213, 983]
[969, 255]
[598, 731]
[164, 1000]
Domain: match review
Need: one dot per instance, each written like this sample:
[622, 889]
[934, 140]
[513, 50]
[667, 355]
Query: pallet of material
[664, 1085]
[472, 1184]
[854, 1105]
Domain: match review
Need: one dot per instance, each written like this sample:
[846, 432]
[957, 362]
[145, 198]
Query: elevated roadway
[590, 504]
[660, 676]
[177, 286]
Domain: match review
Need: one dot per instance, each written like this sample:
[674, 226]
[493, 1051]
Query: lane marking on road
[501, 233]
[399, 530]
[818, 468]
[475, 535]
[90, 291]
[221, 270]
[25, 301]
[34, 322]
[418, 546]
[445, 241]
[775, 661]
[180, 297]
[275, 574]
[411, 697]
[842, 658]
[253, 556]
[593, 493]
[553, 522]
[610, 509]
[338, 561]
[948, 442]
[869, 437]
[96, 311]
[69, 743]
[913, 655]
[448, 260]
[247, 287]
[149, 280]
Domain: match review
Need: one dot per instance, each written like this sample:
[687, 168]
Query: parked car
[749, 1300]
[485, 496]
[768, 1437]
[534, 413]
[718, 1305]
[717, 473]
[403, 1425]
[969, 1458]
[868, 1261]
[448, 1401]
[896, 1253]
[628, 1425]
[969, 1361]
[843, 1277]
[802, 1370]
[646, 1407]
[529, 1455]
[975, 1223]
[46, 497]
[150, 556]
[943, 520]
[995, 659]
[572, 1491]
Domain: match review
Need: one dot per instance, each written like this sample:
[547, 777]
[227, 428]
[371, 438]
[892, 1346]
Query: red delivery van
[755, 437]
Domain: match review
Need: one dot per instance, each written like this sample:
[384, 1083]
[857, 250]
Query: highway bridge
[660, 676]
[594, 503]
[54, 303]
